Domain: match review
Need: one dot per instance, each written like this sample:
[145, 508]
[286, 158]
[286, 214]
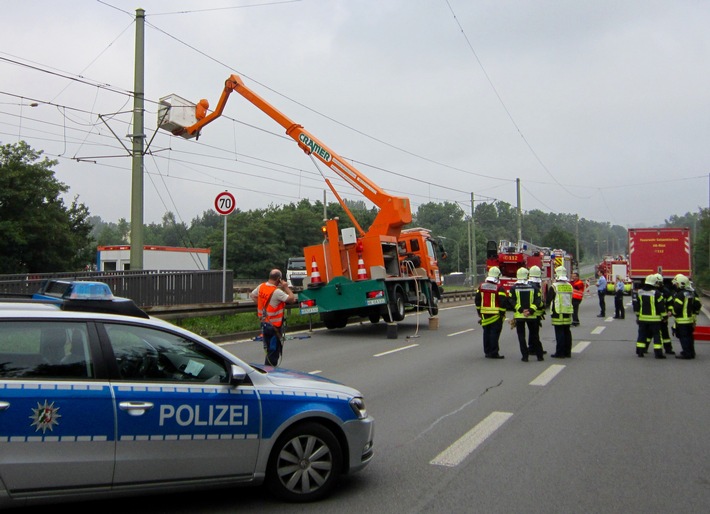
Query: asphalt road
[604, 431]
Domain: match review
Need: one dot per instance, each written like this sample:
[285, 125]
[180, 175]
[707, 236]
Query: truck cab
[296, 272]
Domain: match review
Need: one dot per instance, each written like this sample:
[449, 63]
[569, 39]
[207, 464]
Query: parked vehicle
[296, 272]
[95, 404]
[509, 257]
[659, 250]
[612, 267]
[374, 273]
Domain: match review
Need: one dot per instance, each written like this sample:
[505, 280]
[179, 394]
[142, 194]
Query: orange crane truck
[375, 273]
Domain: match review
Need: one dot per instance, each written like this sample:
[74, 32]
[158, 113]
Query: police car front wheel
[305, 463]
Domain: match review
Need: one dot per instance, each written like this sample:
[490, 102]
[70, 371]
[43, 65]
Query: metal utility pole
[472, 247]
[576, 239]
[520, 214]
[138, 138]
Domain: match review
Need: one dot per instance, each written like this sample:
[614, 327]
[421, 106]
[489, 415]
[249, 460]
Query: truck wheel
[374, 317]
[395, 312]
[304, 464]
[433, 306]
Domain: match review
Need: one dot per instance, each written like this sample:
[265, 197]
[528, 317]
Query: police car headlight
[357, 404]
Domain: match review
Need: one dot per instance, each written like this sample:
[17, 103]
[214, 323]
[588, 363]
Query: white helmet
[522, 274]
[535, 272]
[561, 273]
[681, 281]
[659, 277]
[651, 280]
[494, 272]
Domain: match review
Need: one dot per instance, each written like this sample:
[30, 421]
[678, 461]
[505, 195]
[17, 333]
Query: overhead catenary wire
[429, 184]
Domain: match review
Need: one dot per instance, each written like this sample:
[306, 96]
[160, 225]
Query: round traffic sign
[224, 203]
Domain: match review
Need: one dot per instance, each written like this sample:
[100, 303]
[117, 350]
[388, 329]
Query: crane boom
[394, 211]
[376, 275]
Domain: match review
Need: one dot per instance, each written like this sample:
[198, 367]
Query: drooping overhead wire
[504, 106]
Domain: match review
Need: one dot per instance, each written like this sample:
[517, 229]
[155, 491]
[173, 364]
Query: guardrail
[171, 312]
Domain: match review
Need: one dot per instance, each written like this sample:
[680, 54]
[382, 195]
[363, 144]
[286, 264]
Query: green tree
[38, 233]
[557, 238]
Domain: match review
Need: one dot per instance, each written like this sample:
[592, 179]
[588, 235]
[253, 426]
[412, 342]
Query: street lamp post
[458, 252]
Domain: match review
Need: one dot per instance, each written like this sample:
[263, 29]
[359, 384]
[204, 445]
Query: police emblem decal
[44, 417]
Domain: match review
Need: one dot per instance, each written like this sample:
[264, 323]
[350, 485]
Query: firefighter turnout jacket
[491, 302]
[649, 304]
[525, 297]
[685, 306]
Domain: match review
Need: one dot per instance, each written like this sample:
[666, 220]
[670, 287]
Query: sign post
[224, 204]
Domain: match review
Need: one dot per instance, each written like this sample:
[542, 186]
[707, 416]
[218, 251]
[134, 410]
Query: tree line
[40, 233]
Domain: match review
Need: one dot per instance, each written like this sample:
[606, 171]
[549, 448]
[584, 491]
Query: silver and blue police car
[95, 404]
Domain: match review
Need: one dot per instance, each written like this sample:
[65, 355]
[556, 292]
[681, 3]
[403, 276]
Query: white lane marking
[458, 451]
[546, 376]
[395, 350]
[609, 319]
[461, 332]
[598, 330]
[579, 347]
[315, 372]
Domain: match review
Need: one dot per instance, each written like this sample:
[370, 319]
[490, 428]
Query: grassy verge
[247, 322]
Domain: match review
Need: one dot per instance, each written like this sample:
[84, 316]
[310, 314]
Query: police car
[95, 404]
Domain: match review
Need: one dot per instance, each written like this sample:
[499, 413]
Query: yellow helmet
[522, 274]
[494, 272]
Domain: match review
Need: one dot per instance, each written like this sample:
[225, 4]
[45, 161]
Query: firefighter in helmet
[665, 334]
[561, 310]
[648, 305]
[525, 302]
[535, 279]
[684, 306]
[491, 303]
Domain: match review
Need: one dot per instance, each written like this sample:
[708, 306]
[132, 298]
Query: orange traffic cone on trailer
[315, 274]
[361, 273]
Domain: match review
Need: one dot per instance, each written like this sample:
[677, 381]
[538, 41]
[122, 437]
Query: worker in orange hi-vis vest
[271, 298]
[578, 287]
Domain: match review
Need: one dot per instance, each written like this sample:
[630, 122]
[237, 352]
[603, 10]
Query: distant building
[159, 258]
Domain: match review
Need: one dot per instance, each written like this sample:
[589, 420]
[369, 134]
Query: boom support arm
[395, 211]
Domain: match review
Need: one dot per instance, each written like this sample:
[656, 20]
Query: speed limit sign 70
[224, 203]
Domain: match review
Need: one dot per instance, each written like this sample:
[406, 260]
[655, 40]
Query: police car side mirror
[237, 374]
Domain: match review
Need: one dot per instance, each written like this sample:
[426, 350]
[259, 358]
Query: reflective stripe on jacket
[561, 303]
[578, 287]
[491, 300]
[649, 305]
[524, 296]
[685, 306]
[274, 315]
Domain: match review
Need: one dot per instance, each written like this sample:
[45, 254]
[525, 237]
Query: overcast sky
[600, 107]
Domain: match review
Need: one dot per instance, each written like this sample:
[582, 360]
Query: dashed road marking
[598, 330]
[462, 448]
[546, 376]
[460, 332]
[579, 347]
[395, 350]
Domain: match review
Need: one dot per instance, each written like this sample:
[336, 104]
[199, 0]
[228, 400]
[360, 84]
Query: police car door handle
[135, 408]
[4, 405]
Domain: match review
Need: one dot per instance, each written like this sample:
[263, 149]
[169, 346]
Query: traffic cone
[361, 273]
[315, 274]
